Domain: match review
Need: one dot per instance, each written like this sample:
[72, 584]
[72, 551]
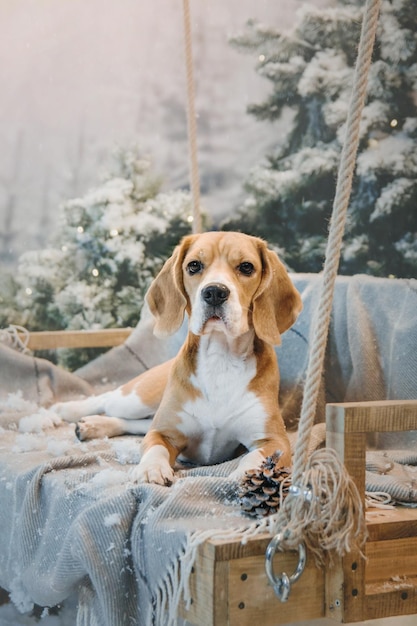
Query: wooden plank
[345, 598]
[391, 571]
[345, 583]
[221, 593]
[372, 589]
[235, 591]
[391, 559]
[334, 590]
[209, 592]
[391, 524]
[228, 549]
[392, 601]
[252, 600]
[404, 584]
[103, 338]
[370, 417]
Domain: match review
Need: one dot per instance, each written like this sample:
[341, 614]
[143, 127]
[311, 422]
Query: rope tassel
[323, 509]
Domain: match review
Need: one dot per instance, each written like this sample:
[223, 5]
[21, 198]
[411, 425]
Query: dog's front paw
[68, 411]
[97, 427]
[153, 469]
[250, 461]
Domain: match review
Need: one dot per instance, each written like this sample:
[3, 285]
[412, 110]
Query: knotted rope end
[324, 510]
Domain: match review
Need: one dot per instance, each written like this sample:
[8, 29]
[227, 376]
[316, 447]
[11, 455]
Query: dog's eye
[246, 268]
[194, 267]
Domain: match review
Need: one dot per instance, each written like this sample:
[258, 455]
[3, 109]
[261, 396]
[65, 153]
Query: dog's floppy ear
[166, 295]
[276, 303]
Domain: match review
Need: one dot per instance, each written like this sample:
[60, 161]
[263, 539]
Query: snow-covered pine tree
[110, 244]
[290, 196]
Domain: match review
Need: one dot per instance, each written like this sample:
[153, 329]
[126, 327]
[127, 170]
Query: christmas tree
[110, 244]
[290, 196]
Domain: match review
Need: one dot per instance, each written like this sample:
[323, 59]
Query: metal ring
[282, 583]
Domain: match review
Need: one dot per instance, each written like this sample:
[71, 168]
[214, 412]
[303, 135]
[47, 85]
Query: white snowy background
[79, 77]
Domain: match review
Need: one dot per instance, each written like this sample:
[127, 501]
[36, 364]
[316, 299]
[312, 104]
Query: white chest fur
[227, 413]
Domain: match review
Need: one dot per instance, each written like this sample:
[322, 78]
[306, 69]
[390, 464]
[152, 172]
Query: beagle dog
[219, 395]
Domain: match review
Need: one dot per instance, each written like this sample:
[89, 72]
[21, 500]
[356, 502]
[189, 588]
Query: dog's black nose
[215, 294]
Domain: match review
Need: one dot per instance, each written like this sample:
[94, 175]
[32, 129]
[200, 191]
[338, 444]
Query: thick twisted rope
[16, 337]
[325, 510]
[191, 121]
[336, 231]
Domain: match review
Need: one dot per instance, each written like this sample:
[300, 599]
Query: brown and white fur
[219, 395]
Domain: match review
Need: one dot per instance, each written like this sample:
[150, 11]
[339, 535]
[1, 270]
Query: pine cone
[262, 490]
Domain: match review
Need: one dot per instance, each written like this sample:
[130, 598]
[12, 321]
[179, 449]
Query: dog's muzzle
[215, 294]
[218, 307]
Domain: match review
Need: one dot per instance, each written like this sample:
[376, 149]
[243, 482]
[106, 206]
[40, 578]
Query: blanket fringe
[86, 614]
[176, 584]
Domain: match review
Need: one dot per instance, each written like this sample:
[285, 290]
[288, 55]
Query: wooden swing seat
[229, 585]
[229, 580]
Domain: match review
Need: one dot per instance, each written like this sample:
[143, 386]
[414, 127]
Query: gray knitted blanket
[72, 522]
